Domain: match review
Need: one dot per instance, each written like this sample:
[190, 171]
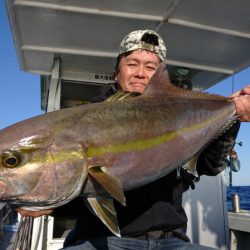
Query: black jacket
[156, 206]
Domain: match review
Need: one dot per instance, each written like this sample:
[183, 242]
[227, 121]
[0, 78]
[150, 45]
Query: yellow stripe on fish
[150, 142]
[58, 157]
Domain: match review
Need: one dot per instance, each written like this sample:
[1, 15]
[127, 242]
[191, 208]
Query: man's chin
[138, 89]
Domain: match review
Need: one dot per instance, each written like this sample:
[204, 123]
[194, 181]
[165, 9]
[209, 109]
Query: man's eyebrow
[145, 62]
[132, 59]
[151, 62]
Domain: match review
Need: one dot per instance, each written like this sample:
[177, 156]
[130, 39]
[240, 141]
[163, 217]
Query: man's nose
[140, 71]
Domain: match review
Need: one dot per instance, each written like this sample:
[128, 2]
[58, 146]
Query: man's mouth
[138, 84]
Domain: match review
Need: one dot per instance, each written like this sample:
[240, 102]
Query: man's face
[136, 69]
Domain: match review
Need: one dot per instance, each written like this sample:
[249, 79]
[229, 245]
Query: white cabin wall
[207, 212]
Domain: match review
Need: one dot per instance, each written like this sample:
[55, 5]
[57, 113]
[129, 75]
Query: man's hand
[242, 103]
[233, 154]
[34, 214]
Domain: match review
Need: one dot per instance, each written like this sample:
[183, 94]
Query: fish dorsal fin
[160, 85]
[105, 210]
[109, 182]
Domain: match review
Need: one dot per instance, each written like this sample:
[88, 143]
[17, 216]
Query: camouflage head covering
[144, 39]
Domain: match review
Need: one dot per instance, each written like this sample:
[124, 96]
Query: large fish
[101, 150]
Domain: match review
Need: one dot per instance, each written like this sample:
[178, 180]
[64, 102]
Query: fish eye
[11, 159]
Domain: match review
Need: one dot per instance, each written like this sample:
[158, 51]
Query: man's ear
[116, 75]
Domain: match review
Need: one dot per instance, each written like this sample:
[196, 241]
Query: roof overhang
[210, 38]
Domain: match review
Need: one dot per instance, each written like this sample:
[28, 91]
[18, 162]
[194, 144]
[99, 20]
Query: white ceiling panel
[210, 38]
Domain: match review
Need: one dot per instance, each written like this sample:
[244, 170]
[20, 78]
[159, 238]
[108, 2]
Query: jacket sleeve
[212, 160]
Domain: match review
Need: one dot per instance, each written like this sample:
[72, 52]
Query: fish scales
[153, 136]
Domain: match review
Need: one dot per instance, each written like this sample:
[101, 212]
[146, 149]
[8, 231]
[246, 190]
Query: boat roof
[209, 38]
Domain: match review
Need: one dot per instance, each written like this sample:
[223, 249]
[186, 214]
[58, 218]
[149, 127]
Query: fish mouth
[35, 205]
[32, 205]
[2, 188]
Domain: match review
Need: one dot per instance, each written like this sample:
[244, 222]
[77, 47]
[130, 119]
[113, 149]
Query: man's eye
[11, 159]
[151, 67]
[132, 64]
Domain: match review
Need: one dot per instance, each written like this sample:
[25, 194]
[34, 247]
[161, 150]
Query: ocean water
[244, 194]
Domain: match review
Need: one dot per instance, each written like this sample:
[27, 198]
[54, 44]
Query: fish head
[37, 168]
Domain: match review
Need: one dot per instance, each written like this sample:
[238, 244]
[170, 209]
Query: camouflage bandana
[134, 41]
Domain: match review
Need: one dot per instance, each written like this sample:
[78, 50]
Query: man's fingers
[242, 104]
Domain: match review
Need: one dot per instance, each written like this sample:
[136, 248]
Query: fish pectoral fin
[105, 210]
[109, 182]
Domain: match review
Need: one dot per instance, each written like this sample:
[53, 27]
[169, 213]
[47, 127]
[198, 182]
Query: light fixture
[180, 71]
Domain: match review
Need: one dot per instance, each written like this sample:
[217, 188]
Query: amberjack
[100, 150]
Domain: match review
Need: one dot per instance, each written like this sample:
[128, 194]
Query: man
[234, 162]
[154, 216]
[232, 165]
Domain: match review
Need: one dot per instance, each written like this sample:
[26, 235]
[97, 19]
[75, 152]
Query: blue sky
[20, 95]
